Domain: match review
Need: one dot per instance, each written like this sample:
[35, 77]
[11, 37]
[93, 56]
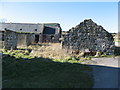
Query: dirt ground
[50, 50]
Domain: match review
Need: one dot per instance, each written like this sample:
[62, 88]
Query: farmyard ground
[48, 66]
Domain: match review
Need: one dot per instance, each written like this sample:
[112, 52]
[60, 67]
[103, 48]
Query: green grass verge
[22, 71]
[116, 40]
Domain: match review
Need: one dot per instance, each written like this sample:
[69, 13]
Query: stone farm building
[14, 35]
[88, 37]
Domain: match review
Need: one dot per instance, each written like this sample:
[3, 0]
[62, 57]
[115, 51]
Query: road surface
[105, 72]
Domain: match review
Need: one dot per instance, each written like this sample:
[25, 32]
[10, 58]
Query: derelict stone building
[14, 35]
[88, 36]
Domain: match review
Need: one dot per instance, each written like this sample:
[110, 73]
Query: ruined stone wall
[56, 38]
[55, 26]
[10, 40]
[50, 38]
[30, 39]
[24, 39]
[1, 39]
[21, 40]
[88, 36]
[40, 38]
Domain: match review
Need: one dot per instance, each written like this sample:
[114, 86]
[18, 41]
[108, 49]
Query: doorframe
[37, 38]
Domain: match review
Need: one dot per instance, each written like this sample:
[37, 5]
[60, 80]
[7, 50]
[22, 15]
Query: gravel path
[105, 72]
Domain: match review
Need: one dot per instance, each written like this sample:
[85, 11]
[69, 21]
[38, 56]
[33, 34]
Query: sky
[67, 14]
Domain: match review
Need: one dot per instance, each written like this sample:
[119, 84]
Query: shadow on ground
[44, 73]
[106, 77]
[117, 51]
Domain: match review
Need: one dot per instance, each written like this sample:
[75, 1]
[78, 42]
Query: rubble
[88, 36]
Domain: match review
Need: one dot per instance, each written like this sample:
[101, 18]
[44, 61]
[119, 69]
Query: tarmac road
[105, 72]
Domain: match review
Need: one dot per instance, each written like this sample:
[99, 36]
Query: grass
[18, 54]
[116, 40]
[22, 71]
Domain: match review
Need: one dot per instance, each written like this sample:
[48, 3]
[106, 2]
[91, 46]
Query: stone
[98, 54]
[81, 54]
[10, 40]
[88, 36]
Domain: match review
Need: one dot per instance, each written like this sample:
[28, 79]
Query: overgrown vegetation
[23, 71]
[18, 54]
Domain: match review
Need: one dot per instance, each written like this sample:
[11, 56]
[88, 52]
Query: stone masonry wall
[88, 36]
[21, 40]
[24, 39]
[10, 40]
[1, 39]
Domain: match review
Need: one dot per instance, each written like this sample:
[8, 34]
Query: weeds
[22, 71]
[18, 54]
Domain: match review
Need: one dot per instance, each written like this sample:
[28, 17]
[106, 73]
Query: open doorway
[36, 38]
